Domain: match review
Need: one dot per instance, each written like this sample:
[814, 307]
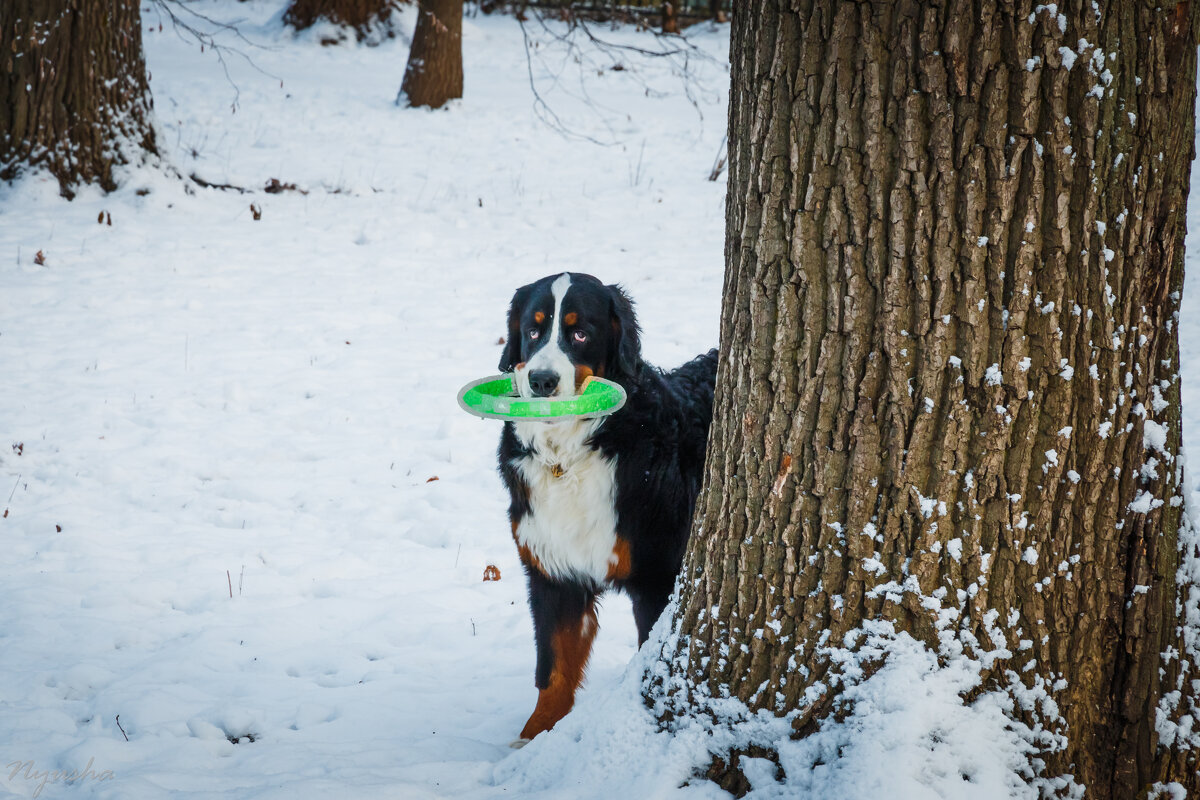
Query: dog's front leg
[564, 625]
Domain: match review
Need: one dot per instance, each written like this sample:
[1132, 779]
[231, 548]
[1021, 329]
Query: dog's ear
[512, 347]
[627, 341]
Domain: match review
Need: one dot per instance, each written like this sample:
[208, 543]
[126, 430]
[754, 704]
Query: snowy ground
[198, 402]
[202, 405]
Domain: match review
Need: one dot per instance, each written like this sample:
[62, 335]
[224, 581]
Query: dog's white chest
[571, 528]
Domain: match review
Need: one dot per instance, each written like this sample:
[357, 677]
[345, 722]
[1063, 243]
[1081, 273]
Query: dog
[598, 503]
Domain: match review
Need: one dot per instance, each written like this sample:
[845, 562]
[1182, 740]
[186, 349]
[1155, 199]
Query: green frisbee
[496, 398]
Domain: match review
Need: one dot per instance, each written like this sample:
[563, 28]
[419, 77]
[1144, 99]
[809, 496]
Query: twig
[10, 497]
[641, 16]
[224, 186]
[207, 39]
[230, 580]
[719, 161]
[543, 111]
[675, 48]
[123, 733]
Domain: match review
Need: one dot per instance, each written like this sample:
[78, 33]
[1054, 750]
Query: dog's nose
[543, 382]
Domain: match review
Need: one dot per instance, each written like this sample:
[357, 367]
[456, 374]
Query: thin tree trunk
[74, 95]
[434, 74]
[670, 17]
[954, 259]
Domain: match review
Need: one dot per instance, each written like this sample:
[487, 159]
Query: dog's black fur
[658, 442]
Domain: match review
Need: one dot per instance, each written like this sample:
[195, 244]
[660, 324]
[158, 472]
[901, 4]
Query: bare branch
[208, 38]
[676, 49]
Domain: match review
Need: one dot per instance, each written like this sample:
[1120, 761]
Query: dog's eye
[580, 336]
[535, 333]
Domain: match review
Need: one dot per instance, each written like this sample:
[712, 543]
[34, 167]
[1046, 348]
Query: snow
[211, 405]
[1144, 503]
[919, 743]
[1154, 436]
[247, 525]
[1167, 791]
[954, 549]
[874, 566]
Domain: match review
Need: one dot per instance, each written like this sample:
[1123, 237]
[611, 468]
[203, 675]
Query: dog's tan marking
[571, 645]
[620, 564]
[582, 373]
[525, 554]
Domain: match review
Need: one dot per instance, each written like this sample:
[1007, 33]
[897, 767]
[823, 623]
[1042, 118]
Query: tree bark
[434, 74]
[74, 96]
[361, 15]
[954, 259]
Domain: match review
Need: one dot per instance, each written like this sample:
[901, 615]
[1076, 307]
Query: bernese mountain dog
[598, 503]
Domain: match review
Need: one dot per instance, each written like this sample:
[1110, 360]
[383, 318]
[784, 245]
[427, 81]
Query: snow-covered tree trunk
[434, 74]
[74, 95]
[948, 395]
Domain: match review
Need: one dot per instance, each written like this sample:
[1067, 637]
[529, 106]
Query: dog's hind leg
[648, 605]
[564, 624]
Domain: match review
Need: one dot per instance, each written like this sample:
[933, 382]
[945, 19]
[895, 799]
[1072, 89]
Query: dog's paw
[517, 744]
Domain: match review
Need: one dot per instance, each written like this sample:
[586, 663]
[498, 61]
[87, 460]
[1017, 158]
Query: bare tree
[74, 96]
[434, 74]
[948, 395]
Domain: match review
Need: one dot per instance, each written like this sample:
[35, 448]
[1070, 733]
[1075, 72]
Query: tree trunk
[361, 15]
[954, 259]
[670, 17]
[74, 96]
[434, 74]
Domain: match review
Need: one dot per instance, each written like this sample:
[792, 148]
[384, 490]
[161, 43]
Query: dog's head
[566, 327]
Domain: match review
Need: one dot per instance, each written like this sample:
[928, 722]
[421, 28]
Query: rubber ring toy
[496, 398]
